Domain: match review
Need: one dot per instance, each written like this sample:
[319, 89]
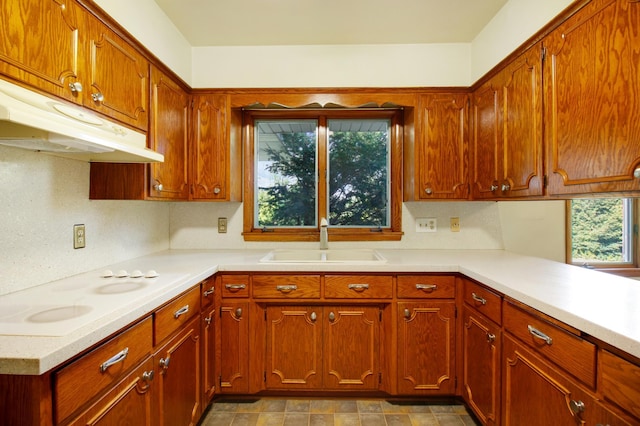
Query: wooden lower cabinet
[426, 347]
[234, 341]
[178, 378]
[323, 347]
[482, 341]
[209, 382]
[129, 402]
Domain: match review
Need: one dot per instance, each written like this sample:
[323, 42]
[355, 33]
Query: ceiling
[322, 22]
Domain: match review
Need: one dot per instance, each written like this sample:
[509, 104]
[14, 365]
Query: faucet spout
[324, 235]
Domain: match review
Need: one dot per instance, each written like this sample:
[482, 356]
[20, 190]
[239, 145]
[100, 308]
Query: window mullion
[323, 155]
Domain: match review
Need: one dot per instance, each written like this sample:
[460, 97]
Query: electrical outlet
[222, 225]
[455, 224]
[79, 237]
[426, 224]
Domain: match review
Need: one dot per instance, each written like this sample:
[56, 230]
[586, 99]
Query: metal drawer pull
[479, 299]
[75, 87]
[313, 317]
[358, 287]
[427, 287]
[332, 316]
[147, 376]
[407, 313]
[576, 407]
[491, 337]
[181, 311]
[286, 288]
[235, 286]
[209, 292]
[208, 320]
[97, 97]
[164, 362]
[238, 312]
[540, 335]
[119, 357]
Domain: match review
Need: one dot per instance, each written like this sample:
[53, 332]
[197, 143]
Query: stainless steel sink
[359, 256]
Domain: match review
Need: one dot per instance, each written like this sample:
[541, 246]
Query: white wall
[42, 198]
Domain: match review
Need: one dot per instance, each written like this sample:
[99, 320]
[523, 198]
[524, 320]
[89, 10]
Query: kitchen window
[602, 233]
[306, 165]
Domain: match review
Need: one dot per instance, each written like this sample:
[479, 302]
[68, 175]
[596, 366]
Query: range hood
[32, 121]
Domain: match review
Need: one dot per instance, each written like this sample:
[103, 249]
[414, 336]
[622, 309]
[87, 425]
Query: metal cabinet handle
[493, 188]
[147, 376]
[540, 335]
[76, 87]
[209, 292]
[238, 312]
[119, 357]
[636, 173]
[428, 191]
[358, 287]
[158, 187]
[479, 299]
[208, 320]
[407, 313]
[505, 187]
[427, 287]
[286, 288]
[181, 311]
[332, 316]
[491, 337]
[97, 97]
[313, 317]
[164, 362]
[576, 407]
[235, 287]
[216, 190]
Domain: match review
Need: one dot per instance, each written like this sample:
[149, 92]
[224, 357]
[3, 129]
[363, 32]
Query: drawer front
[358, 287]
[235, 285]
[208, 288]
[76, 383]
[568, 351]
[171, 317]
[620, 382]
[286, 286]
[484, 301]
[426, 286]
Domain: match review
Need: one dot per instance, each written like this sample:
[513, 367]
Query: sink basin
[59, 314]
[366, 256]
[120, 287]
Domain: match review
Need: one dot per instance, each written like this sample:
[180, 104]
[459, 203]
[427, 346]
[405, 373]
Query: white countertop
[602, 305]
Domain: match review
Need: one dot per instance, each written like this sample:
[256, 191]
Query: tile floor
[333, 412]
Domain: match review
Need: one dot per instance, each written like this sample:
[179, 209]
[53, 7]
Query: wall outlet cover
[426, 224]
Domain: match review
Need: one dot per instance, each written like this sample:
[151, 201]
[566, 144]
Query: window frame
[390, 233]
[631, 268]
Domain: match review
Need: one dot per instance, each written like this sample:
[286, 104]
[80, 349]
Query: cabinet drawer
[484, 301]
[286, 286]
[81, 380]
[426, 286]
[179, 311]
[235, 285]
[568, 351]
[208, 288]
[620, 382]
[358, 287]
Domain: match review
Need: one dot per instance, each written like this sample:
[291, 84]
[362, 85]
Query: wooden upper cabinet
[507, 135]
[440, 163]
[168, 135]
[592, 100]
[117, 81]
[210, 148]
[40, 44]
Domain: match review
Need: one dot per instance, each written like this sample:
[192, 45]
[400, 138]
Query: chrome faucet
[324, 236]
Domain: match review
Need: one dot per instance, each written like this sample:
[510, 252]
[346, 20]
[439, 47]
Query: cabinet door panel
[210, 153]
[442, 146]
[168, 136]
[481, 372]
[40, 44]
[426, 348]
[351, 347]
[234, 338]
[294, 339]
[209, 354]
[486, 139]
[592, 99]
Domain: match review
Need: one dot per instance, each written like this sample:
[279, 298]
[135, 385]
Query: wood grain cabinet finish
[507, 147]
[426, 286]
[620, 382]
[482, 348]
[483, 300]
[209, 377]
[438, 168]
[358, 287]
[41, 44]
[234, 342]
[100, 369]
[285, 286]
[178, 378]
[426, 348]
[176, 313]
[592, 101]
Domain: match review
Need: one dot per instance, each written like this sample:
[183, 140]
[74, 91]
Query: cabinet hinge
[380, 378]
[455, 312]
[220, 380]
[543, 53]
[265, 377]
[380, 315]
[545, 181]
[265, 316]
[193, 103]
[455, 382]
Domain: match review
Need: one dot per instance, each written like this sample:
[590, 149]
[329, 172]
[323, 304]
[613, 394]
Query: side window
[310, 165]
[601, 232]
